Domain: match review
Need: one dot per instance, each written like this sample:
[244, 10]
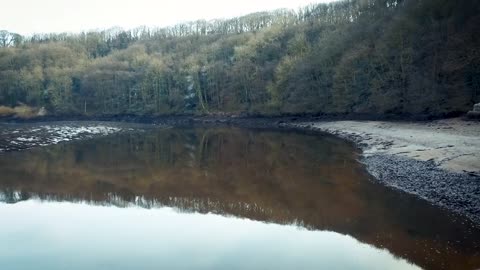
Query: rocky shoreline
[391, 161]
[458, 192]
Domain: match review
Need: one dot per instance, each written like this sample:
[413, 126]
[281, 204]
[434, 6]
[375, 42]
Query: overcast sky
[44, 16]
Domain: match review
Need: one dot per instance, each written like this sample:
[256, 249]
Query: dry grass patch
[6, 111]
[21, 111]
[24, 111]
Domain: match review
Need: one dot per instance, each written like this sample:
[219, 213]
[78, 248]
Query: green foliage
[351, 56]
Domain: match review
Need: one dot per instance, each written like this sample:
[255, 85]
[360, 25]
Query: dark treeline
[353, 56]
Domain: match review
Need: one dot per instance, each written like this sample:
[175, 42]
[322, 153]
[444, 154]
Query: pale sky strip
[34, 16]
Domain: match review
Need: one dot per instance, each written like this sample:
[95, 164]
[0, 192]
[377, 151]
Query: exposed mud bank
[16, 137]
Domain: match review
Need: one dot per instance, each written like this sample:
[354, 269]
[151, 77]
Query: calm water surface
[216, 199]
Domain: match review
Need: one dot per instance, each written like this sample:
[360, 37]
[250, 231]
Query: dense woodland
[348, 57]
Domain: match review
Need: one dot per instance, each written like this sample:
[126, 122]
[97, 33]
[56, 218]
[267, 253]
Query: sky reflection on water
[51, 235]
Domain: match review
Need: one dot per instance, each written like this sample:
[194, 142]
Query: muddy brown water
[217, 198]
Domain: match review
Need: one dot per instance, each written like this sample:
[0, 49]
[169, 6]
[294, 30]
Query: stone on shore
[475, 114]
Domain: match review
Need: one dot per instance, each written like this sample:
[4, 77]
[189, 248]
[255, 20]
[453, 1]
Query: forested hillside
[348, 57]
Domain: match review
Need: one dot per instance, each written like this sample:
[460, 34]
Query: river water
[216, 198]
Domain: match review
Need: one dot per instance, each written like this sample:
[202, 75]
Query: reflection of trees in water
[220, 171]
[184, 205]
[267, 176]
